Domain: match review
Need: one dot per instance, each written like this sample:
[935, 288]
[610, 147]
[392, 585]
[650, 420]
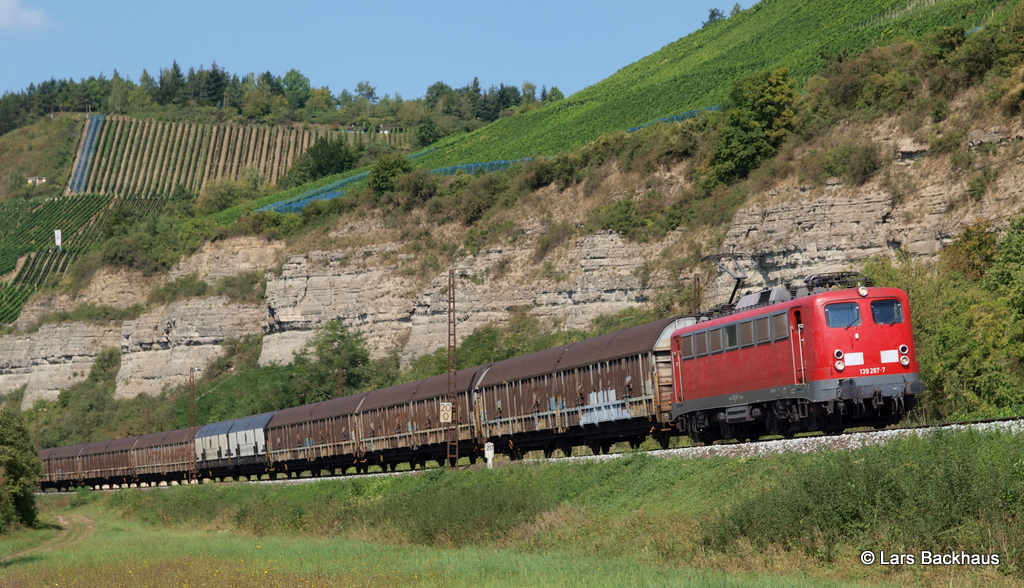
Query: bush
[853, 160]
[384, 172]
[189, 286]
[20, 469]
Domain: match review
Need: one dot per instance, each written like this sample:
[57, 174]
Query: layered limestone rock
[161, 347]
[792, 232]
[52, 358]
[594, 275]
[229, 257]
[114, 287]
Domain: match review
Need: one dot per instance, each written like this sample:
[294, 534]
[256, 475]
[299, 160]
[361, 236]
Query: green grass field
[785, 520]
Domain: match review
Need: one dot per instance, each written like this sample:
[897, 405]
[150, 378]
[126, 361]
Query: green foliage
[968, 321]
[971, 254]
[949, 491]
[698, 70]
[247, 287]
[188, 286]
[20, 469]
[853, 160]
[335, 352]
[223, 193]
[759, 120]
[386, 170]
[96, 313]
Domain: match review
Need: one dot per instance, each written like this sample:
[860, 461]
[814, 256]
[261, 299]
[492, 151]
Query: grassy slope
[45, 149]
[698, 70]
[578, 523]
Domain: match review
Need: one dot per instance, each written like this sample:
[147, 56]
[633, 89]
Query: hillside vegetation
[698, 70]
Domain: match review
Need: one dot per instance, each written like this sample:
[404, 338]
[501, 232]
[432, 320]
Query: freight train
[813, 357]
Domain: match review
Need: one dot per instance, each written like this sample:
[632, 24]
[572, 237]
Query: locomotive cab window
[886, 312]
[842, 314]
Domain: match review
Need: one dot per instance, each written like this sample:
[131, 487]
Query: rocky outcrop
[229, 257]
[161, 347]
[792, 232]
[53, 358]
[117, 288]
[594, 275]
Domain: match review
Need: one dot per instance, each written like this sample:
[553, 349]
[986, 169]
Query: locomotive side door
[797, 341]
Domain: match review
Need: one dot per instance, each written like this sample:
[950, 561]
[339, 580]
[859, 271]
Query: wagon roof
[123, 444]
[525, 366]
[249, 423]
[393, 395]
[438, 385]
[166, 438]
[95, 447]
[631, 341]
[336, 407]
[67, 451]
[298, 414]
[214, 429]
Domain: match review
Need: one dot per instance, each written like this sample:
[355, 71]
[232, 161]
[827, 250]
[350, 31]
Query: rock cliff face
[790, 232]
[163, 345]
[787, 232]
[53, 358]
[594, 275]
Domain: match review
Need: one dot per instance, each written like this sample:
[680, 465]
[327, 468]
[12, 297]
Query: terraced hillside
[132, 156]
[697, 70]
[28, 252]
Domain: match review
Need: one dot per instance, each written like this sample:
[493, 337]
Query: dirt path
[73, 528]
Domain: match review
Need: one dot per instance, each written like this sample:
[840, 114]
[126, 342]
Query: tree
[317, 365]
[172, 85]
[554, 94]
[20, 469]
[529, 93]
[736, 9]
[386, 170]
[330, 156]
[758, 121]
[714, 15]
[296, 88]
[365, 90]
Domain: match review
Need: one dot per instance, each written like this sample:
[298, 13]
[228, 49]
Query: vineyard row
[148, 157]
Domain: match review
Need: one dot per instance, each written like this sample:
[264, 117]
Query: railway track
[844, 441]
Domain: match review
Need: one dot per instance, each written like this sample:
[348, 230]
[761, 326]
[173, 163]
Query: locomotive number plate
[870, 371]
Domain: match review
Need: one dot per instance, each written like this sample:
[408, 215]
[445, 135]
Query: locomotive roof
[823, 296]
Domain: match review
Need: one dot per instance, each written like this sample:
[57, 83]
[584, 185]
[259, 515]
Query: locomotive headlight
[838, 353]
[863, 291]
[904, 361]
[904, 349]
[840, 366]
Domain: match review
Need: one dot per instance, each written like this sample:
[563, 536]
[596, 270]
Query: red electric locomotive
[796, 359]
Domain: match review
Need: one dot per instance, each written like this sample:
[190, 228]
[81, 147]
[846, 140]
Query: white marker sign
[56, 237]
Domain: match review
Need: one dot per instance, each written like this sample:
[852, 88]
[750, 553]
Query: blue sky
[400, 47]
